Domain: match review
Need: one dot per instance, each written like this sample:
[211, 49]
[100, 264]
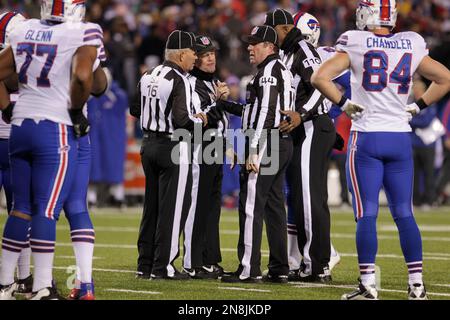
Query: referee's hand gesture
[291, 121]
[202, 117]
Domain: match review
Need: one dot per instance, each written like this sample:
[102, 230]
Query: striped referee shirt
[202, 84]
[165, 100]
[302, 60]
[269, 92]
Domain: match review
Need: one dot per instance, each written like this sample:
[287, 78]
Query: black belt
[156, 134]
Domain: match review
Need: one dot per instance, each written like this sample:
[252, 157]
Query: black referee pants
[306, 177]
[262, 197]
[201, 231]
[166, 204]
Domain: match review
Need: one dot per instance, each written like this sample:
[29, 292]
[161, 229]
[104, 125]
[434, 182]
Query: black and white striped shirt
[165, 100]
[202, 84]
[270, 91]
[302, 59]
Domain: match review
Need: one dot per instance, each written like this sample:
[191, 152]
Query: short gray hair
[174, 54]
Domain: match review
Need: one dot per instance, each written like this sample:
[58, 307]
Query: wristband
[421, 104]
[342, 101]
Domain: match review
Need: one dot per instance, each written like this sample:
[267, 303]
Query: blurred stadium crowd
[135, 32]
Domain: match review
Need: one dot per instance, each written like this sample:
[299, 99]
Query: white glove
[413, 109]
[353, 110]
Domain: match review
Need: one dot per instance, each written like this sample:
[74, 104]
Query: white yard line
[99, 270]
[243, 289]
[132, 291]
[312, 285]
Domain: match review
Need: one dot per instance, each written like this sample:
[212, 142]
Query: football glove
[7, 112]
[353, 110]
[81, 125]
[413, 109]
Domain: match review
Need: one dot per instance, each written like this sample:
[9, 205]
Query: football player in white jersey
[54, 59]
[379, 151]
[8, 21]
[310, 28]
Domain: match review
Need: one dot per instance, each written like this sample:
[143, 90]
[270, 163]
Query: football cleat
[87, 291]
[417, 291]
[362, 293]
[175, 276]
[74, 294]
[236, 278]
[7, 292]
[275, 278]
[48, 293]
[25, 286]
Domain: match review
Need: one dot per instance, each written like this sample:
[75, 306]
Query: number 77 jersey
[43, 55]
[381, 76]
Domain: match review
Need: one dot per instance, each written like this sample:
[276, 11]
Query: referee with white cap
[165, 105]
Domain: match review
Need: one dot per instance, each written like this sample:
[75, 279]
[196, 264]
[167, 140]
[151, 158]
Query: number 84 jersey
[43, 55]
[381, 76]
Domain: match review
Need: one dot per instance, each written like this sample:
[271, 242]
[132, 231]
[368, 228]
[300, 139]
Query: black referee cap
[181, 40]
[278, 17]
[204, 44]
[262, 34]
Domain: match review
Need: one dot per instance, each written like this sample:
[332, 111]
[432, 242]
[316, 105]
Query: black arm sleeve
[230, 107]
[135, 107]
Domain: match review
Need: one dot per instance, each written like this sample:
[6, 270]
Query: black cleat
[177, 275]
[143, 275]
[25, 287]
[236, 278]
[277, 278]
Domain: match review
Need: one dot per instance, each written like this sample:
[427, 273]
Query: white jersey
[381, 72]
[43, 54]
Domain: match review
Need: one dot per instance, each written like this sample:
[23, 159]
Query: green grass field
[116, 253]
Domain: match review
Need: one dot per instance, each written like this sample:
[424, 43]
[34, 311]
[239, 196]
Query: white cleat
[417, 291]
[48, 293]
[7, 292]
[362, 293]
[334, 261]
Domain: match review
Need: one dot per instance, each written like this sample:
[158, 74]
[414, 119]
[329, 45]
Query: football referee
[165, 105]
[313, 141]
[261, 194]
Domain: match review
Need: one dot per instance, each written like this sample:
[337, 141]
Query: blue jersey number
[375, 75]
[39, 49]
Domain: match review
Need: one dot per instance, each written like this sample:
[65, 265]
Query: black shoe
[294, 275]
[177, 275]
[143, 275]
[204, 273]
[235, 278]
[276, 278]
[25, 286]
[324, 277]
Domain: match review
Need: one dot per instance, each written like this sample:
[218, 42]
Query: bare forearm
[435, 92]
[80, 91]
[327, 88]
[100, 82]
[4, 96]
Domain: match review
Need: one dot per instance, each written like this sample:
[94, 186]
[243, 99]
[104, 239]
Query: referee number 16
[153, 90]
